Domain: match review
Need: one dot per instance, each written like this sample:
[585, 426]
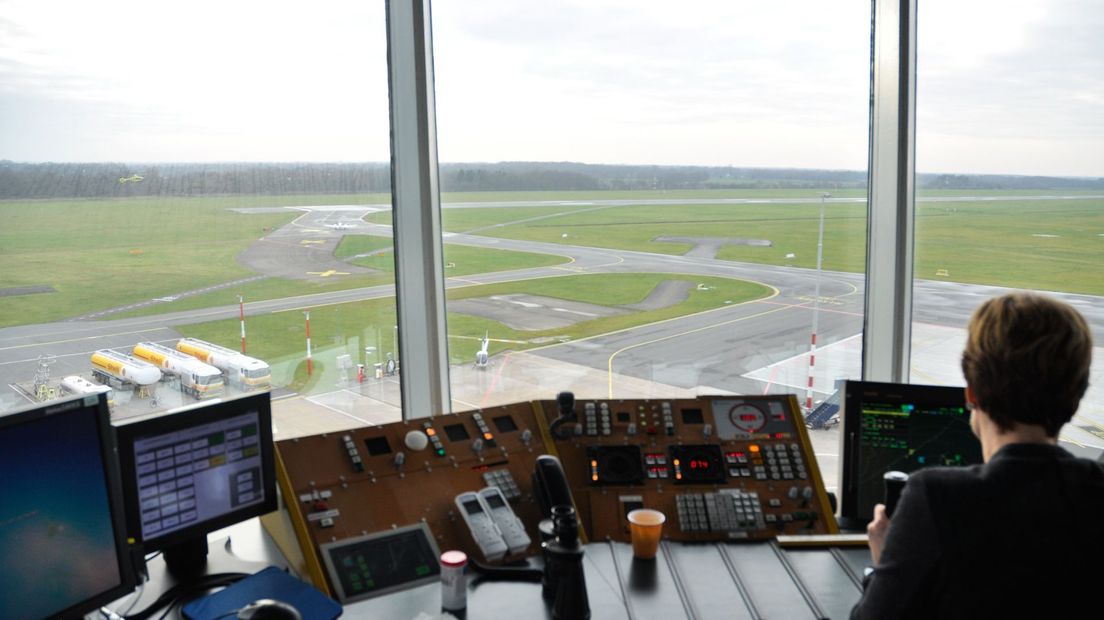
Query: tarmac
[512, 377]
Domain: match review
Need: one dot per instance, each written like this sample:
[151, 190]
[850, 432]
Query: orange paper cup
[646, 527]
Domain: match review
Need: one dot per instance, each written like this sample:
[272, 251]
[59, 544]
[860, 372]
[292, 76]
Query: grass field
[280, 338]
[1045, 245]
[460, 260]
[101, 254]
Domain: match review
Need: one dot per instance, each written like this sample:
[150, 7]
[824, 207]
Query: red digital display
[749, 417]
[697, 464]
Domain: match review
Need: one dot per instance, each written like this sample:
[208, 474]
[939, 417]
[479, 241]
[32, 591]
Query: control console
[722, 468]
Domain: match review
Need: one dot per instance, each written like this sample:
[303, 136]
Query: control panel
[348, 485]
[722, 468]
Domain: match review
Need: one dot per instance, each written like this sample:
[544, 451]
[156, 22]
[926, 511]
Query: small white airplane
[341, 226]
[481, 356]
[131, 179]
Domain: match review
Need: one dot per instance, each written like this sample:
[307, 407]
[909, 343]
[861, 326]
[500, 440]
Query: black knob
[566, 401]
[894, 484]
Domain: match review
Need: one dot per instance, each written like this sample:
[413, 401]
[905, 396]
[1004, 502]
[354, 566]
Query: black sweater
[1019, 537]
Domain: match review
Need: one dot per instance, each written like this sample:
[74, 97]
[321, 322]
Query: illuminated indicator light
[594, 477]
[430, 432]
[678, 475]
[594, 463]
[753, 448]
[488, 436]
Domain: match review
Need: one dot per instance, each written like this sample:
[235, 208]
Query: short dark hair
[1027, 360]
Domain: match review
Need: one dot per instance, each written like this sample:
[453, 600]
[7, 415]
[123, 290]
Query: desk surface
[737, 581]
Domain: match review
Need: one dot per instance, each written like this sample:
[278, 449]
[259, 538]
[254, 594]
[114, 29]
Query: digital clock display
[697, 464]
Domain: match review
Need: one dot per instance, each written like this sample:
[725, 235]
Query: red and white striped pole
[241, 315]
[816, 307]
[310, 363]
[812, 362]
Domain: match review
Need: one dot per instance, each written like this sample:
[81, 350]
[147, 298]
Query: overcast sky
[1005, 86]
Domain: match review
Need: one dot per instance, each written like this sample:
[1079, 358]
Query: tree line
[106, 180]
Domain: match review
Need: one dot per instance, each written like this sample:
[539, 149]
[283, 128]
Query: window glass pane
[164, 168]
[1010, 145]
[649, 225]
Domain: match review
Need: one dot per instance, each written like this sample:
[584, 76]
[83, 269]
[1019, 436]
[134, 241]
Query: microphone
[894, 484]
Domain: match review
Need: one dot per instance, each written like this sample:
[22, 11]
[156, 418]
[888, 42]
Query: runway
[756, 347]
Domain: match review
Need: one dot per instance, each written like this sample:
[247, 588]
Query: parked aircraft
[481, 356]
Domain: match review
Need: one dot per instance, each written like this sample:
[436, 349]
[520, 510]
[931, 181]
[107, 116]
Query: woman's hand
[876, 532]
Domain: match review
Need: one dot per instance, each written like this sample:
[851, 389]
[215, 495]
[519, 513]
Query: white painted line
[466, 403]
[805, 355]
[574, 312]
[336, 410]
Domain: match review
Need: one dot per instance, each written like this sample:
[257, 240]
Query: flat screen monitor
[897, 427]
[195, 470]
[63, 549]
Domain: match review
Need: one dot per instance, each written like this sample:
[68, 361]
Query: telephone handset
[563, 582]
[550, 488]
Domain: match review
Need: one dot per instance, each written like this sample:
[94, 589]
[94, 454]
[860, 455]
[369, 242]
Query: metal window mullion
[887, 329]
[415, 200]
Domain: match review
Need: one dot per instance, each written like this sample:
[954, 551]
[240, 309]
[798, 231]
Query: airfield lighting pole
[310, 363]
[816, 306]
[241, 315]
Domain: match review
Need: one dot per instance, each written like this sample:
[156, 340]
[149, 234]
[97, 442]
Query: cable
[107, 612]
[171, 596]
[138, 595]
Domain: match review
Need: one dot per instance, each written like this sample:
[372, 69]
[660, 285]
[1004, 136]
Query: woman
[1021, 535]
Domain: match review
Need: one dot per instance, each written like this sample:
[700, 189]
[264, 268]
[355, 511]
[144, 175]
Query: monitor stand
[249, 553]
[187, 558]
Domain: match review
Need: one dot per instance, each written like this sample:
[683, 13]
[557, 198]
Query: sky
[1004, 86]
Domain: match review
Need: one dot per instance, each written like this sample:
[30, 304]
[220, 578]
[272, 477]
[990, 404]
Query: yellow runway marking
[328, 273]
[1089, 421]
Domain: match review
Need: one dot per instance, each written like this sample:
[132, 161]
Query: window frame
[420, 292]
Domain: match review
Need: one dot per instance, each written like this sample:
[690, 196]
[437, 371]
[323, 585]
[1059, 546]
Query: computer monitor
[897, 427]
[195, 470]
[63, 549]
